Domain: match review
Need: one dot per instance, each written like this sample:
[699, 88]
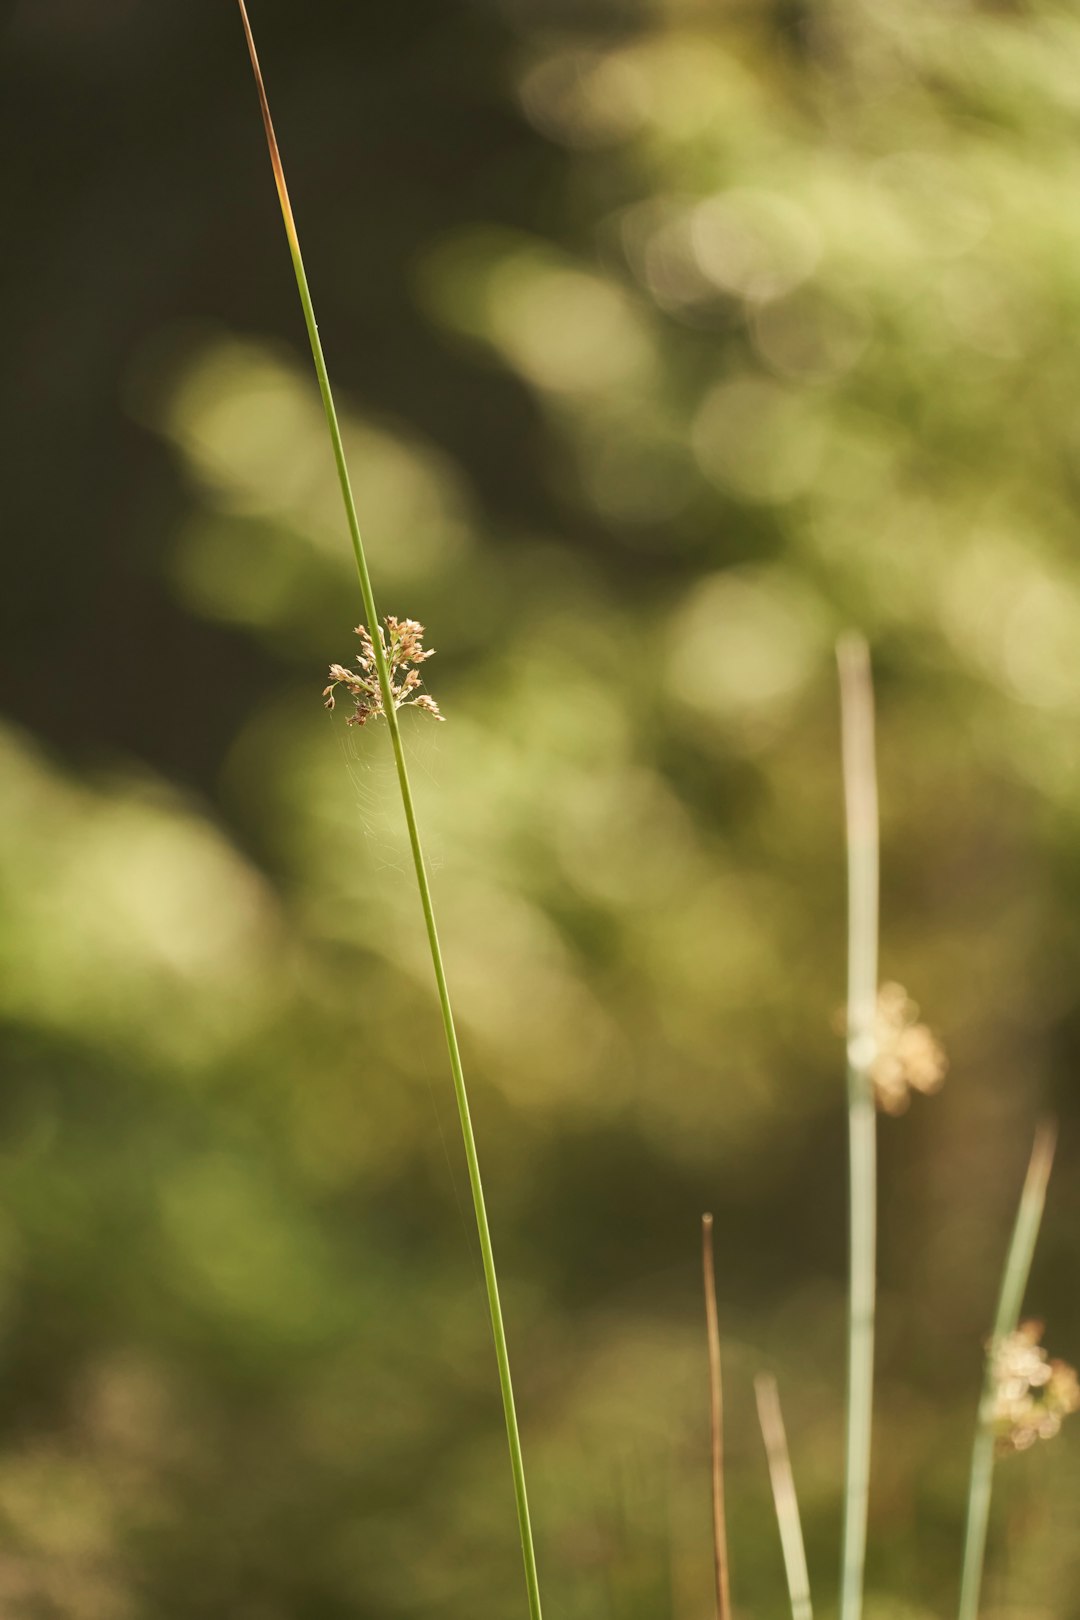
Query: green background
[672, 339]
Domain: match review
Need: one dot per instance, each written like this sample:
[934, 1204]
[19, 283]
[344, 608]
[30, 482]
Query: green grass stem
[371, 615]
[1006, 1320]
[860, 799]
[785, 1500]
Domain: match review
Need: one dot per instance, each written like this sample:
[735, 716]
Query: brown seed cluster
[403, 644]
[907, 1056]
[1032, 1394]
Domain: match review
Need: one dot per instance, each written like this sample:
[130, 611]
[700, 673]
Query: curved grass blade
[423, 886]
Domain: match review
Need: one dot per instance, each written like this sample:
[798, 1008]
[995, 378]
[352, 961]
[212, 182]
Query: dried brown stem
[716, 1412]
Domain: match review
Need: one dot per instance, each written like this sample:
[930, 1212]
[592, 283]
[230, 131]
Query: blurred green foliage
[673, 338]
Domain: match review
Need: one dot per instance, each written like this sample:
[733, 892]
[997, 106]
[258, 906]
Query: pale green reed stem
[860, 799]
[475, 1183]
[785, 1500]
[1013, 1285]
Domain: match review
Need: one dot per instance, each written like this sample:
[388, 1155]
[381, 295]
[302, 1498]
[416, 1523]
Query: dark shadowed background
[672, 338]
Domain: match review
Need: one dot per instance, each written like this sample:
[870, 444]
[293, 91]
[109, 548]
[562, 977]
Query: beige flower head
[1031, 1393]
[907, 1057]
[403, 645]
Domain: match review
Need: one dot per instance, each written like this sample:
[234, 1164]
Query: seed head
[402, 642]
[907, 1056]
[1031, 1393]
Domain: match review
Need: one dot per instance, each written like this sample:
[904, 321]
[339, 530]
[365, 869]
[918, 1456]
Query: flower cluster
[1031, 1393]
[403, 644]
[907, 1057]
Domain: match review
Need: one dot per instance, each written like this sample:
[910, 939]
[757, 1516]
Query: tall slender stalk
[389, 708]
[860, 798]
[1010, 1300]
[785, 1500]
[716, 1425]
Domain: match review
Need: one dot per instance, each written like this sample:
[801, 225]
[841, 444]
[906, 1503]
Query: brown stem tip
[271, 138]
